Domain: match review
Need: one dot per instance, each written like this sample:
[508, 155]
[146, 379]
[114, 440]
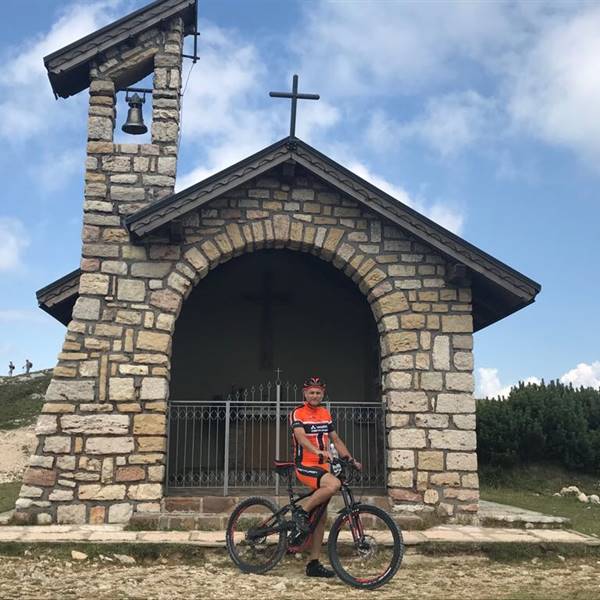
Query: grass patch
[17, 406]
[8, 495]
[531, 487]
[537, 478]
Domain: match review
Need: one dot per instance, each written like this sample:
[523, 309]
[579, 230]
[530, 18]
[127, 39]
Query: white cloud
[556, 84]
[586, 375]
[13, 241]
[488, 384]
[446, 216]
[452, 122]
[220, 115]
[451, 219]
[483, 71]
[448, 124]
[316, 117]
[383, 184]
[28, 108]
[77, 20]
[380, 48]
[56, 170]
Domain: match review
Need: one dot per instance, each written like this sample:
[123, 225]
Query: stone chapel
[285, 263]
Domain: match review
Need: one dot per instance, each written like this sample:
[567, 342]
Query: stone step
[494, 514]
[525, 521]
[195, 521]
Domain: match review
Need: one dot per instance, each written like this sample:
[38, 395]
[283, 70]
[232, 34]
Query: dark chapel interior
[275, 309]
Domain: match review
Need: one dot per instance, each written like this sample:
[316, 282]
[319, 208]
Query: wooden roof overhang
[58, 298]
[498, 290]
[69, 68]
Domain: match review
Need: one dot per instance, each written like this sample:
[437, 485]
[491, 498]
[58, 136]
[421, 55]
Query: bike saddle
[283, 467]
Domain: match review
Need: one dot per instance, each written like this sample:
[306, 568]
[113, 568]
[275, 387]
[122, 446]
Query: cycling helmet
[314, 382]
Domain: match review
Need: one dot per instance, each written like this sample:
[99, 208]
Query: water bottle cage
[336, 468]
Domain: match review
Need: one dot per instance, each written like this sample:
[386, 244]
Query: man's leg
[313, 567]
[329, 485]
[317, 540]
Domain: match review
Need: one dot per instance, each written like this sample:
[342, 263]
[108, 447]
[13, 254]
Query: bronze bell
[135, 116]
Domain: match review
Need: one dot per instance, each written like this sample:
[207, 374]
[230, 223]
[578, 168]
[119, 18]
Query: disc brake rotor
[367, 548]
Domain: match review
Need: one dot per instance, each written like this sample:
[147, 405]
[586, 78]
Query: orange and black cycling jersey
[317, 425]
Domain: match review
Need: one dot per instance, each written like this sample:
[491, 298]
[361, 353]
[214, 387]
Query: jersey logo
[316, 428]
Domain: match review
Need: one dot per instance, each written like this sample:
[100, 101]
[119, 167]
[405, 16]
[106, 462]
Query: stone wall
[102, 435]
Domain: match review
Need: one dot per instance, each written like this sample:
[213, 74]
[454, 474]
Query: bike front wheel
[256, 536]
[365, 547]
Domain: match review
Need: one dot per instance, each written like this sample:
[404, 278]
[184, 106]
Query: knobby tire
[229, 536]
[398, 549]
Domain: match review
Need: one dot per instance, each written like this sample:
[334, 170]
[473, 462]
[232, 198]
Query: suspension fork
[353, 515]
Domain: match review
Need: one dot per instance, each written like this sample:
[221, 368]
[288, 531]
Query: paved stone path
[451, 534]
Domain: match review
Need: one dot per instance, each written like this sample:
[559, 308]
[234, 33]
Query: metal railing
[230, 444]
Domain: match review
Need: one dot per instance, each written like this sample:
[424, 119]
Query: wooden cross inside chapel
[267, 299]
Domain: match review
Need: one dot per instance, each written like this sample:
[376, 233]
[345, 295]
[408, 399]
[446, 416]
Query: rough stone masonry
[101, 449]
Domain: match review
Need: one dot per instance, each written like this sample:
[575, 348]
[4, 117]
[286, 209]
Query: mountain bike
[365, 545]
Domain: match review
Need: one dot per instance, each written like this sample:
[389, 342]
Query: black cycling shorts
[311, 475]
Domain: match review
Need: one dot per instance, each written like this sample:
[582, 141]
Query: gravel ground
[460, 577]
[16, 446]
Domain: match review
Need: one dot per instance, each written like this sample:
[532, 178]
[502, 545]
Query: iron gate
[229, 445]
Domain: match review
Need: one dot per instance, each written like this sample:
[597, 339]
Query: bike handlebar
[344, 464]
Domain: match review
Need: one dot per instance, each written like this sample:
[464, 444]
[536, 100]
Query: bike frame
[350, 509]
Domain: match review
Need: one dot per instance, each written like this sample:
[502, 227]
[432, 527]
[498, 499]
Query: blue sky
[484, 116]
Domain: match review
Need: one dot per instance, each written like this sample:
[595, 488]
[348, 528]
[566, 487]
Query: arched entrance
[268, 310]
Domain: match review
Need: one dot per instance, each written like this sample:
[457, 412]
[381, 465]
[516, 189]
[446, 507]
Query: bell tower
[122, 178]
[101, 434]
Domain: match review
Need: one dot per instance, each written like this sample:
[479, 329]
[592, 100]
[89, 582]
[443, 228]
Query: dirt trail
[420, 578]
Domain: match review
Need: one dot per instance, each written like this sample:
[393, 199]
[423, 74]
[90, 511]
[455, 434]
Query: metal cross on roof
[295, 96]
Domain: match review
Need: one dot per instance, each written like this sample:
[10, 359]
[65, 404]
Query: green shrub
[552, 422]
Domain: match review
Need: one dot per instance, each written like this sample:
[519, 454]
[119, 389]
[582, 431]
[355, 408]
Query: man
[313, 430]
[11, 368]
[28, 365]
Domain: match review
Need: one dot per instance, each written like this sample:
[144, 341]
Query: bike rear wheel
[365, 547]
[254, 553]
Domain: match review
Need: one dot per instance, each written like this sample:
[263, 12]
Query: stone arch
[330, 244]
[279, 231]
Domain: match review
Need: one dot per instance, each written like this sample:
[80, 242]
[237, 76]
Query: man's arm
[305, 442]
